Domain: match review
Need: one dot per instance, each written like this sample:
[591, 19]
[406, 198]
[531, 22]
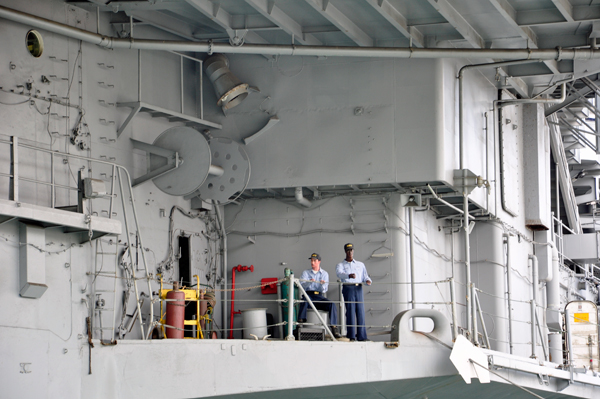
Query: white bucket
[311, 317]
[254, 322]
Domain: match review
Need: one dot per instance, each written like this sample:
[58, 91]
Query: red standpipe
[238, 268]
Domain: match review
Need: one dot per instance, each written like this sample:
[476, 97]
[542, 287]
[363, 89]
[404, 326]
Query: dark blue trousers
[320, 303]
[355, 312]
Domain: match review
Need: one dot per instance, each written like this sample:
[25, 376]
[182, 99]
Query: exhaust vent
[230, 90]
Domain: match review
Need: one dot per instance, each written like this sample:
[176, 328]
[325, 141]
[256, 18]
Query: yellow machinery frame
[191, 295]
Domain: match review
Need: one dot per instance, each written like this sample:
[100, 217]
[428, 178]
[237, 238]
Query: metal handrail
[117, 170]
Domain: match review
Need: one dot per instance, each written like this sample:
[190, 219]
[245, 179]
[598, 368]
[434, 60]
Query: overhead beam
[553, 16]
[164, 22]
[398, 21]
[475, 40]
[565, 8]
[274, 14]
[222, 18]
[342, 22]
[458, 22]
[510, 15]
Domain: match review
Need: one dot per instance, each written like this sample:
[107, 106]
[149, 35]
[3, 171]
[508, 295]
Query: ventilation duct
[230, 90]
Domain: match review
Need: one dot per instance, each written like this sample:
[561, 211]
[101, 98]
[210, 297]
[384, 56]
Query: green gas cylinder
[284, 296]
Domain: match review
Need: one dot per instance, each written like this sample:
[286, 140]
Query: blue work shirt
[317, 276]
[344, 268]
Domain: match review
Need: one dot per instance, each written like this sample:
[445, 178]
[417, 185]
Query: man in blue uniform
[316, 284]
[353, 274]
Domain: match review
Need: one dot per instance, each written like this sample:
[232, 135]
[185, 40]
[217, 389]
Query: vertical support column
[139, 75]
[14, 169]
[411, 226]
[181, 80]
[467, 257]
[536, 167]
[399, 264]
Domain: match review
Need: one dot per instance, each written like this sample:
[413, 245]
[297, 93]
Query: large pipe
[534, 276]
[333, 51]
[300, 198]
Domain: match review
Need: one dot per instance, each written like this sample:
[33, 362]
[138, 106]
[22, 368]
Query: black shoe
[352, 340]
[301, 320]
[335, 332]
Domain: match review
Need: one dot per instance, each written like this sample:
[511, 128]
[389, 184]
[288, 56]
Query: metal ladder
[105, 269]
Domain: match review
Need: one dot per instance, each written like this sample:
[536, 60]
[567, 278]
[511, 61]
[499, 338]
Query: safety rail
[119, 175]
[582, 271]
[448, 306]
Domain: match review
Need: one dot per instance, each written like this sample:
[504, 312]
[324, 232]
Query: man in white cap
[316, 284]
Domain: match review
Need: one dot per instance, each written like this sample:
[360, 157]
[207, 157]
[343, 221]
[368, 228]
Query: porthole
[35, 43]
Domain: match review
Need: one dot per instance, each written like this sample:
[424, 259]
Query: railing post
[112, 192]
[279, 312]
[474, 339]
[290, 336]
[453, 300]
[342, 311]
[533, 333]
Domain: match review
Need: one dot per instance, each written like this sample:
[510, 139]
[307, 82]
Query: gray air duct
[230, 90]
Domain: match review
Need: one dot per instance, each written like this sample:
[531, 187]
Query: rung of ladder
[107, 309]
[108, 273]
[105, 291]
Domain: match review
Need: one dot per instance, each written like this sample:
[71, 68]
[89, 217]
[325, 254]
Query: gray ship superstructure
[168, 166]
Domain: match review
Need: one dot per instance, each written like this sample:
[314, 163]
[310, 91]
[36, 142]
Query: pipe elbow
[300, 198]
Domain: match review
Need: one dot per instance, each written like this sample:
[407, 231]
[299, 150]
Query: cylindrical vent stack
[175, 313]
[230, 90]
